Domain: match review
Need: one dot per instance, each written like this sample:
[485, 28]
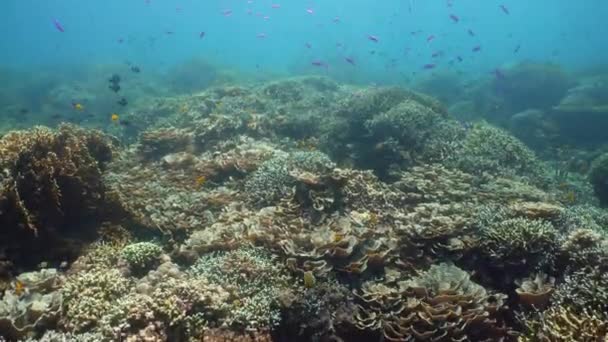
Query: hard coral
[272, 180]
[51, 185]
[87, 296]
[519, 244]
[598, 176]
[441, 304]
[38, 307]
[254, 279]
[141, 256]
[492, 150]
[560, 324]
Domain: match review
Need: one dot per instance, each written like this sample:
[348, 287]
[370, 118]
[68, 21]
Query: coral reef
[298, 210]
[489, 149]
[51, 188]
[141, 256]
[561, 324]
[598, 176]
[442, 303]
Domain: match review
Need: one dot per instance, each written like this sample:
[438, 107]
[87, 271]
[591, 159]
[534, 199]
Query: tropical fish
[201, 35]
[430, 38]
[350, 60]
[454, 18]
[309, 279]
[373, 38]
[19, 288]
[471, 33]
[476, 48]
[310, 11]
[200, 181]
[58, 25]
[79, 107]
[114, 117]
[505, 9]
[428, 66]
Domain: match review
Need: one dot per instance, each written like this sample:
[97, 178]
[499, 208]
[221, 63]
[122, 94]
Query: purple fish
[227, 13]
[308, 45]
[505, 9]
[350, 60]
[318, 63]
[373, 38]
[471, 33]
[476, 48]
[454, 18]
[58, 25]
[428, 66]
[459, 58]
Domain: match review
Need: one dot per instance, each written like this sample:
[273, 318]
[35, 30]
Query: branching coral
[87, 296]
[441, 304]
[272, 180]
[585, 289]
[253, 278]
[516, 243]
[560, 324]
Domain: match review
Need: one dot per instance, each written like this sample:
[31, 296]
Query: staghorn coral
[323, 312]
[517, 244]
[560, 324]
[254, 279]
[87, 296]
[51, 187]
[585, 289]
[584, 247]
[440, 304]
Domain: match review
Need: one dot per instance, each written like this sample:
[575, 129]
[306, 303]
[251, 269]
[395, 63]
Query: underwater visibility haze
[317, 170]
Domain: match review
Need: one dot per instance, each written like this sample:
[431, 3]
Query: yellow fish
[114, 117]
[309, 279]
[19, 288]
[79, 107]
[201, 180]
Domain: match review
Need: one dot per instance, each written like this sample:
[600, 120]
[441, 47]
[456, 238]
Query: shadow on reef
[233, 227]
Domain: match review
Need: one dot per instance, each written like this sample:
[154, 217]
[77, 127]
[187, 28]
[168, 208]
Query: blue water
[571, 33]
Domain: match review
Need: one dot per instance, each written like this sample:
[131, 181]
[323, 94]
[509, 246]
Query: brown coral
[560, 324]
[51, 187]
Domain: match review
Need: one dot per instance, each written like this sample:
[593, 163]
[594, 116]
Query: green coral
[142, 256]
[255, 278]
[598, 176]
[272, 180]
